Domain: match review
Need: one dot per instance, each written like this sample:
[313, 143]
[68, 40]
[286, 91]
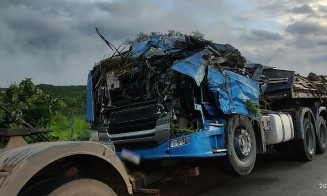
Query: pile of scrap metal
[170, 73]
[311, 86]
[285, 84]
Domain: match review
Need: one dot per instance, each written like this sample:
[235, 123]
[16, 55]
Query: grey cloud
[316, 43]
[275, 8]
[304, 28]
[272, 7]
[241, 19]
[256, 36]
[322, 42]
[305, 49]
[266, 35]
[55, 41]
[302, 43]
[321, 59]
[304, 9]
[323, 8]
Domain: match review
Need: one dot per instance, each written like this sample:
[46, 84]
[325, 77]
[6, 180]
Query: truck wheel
[241, 144]
[322, 135]
[83, 187]
[307, 145]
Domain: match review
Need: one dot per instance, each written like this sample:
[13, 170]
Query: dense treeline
[69, 91]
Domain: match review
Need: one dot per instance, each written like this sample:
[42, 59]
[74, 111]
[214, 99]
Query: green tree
[171, 33]
[29, 103]
[198, 36]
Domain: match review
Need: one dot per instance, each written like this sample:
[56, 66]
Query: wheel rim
[242, 144]
[309, 140]
[322, 134]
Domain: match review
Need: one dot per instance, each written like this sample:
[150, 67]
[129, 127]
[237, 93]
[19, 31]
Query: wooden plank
[307, 95]
[146, 191]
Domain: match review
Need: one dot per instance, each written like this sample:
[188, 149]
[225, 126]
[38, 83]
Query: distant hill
[70, 91]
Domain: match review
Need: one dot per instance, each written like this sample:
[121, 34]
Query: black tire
[241, 144]
[322, 135]
[307, 145]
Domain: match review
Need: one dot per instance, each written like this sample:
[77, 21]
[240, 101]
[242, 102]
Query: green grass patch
[62, 129]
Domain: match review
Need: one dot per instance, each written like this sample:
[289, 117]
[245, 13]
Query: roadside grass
[62, 129]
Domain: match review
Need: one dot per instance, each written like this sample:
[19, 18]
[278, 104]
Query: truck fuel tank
[278, 128]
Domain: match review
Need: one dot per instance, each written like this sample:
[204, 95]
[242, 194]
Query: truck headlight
[180, 141]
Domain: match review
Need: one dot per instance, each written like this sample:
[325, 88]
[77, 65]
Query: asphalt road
[279, 177]
[273, 175]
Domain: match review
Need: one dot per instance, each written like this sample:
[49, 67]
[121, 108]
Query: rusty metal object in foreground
[23, 165]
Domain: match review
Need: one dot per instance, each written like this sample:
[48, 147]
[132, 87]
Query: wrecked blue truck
[181, 97]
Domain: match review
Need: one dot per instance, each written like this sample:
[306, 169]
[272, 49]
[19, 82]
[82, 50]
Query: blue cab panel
[89, 100]
[200, 145]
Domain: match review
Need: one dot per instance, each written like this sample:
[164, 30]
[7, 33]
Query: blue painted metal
[223, 47]
[140, 48]
[164, 43]
[201, 145]
[89, 100]
[194, 66]
[220, 46]
[231, 90]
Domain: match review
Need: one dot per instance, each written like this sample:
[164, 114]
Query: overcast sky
[54, 41]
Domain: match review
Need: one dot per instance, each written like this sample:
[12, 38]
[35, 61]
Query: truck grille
[132, 118]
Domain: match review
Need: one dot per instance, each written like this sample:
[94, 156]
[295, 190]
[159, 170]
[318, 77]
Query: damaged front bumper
[205, 143]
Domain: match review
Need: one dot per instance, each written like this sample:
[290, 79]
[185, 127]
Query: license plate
[130, 156]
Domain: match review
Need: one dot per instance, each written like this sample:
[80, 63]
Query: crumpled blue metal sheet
[89, 100]
[193, 66]
[220, 46]
[231, 90]
[164, 43]
[223, 47]
[140, 48]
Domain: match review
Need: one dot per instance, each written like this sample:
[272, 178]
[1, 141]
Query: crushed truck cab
[169, 98]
